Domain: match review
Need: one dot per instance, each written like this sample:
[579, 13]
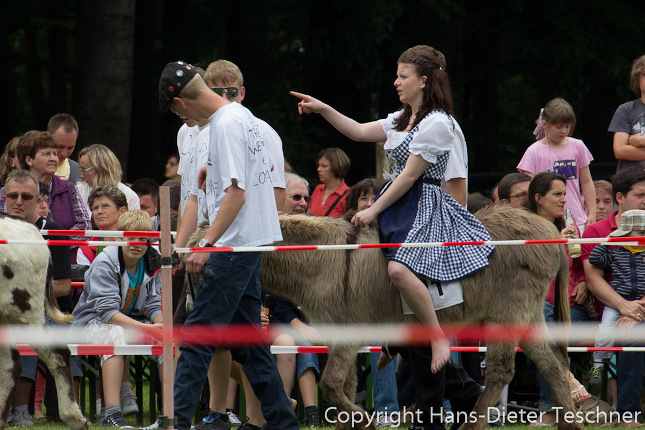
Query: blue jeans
[578, 314]
[307, 360]
[384, 386]
[630, 381]
[231, 295]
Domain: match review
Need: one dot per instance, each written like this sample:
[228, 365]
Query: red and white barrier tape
[58, 242]
[394, 334]
[102, 233]
[77, 349]
[635, 241]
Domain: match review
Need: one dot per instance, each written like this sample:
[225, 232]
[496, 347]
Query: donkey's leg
[500, 366]
[338, 385]
[555, 369]
[58, 362]
[10, 367]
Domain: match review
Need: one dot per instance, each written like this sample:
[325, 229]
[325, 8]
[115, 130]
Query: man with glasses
[239, 185]
[514, 189]
[297, 194]
[22, 199]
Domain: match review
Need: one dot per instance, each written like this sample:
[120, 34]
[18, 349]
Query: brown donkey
[349, 287]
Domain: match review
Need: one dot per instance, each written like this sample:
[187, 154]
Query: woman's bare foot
[383, 360]
[440, 353]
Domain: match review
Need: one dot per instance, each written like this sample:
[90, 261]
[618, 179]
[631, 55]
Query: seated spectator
[36, 152]
[172, 165]
[626, 279]
[99, 166]
[494, 193]
[42, 209]
[148, 191]
[305, 367]
[121, 290]
[107, 204]
[297, 194]
[328, 198]
[362, 195]
[604, 199]
[514, 188]
[546, 197]
[477, 201]
[175, 201]
[8, 160]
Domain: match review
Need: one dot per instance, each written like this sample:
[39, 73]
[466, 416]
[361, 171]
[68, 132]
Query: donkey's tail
[51, 304]
[561, 310]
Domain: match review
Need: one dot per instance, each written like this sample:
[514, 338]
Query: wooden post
[381, 161]
[167, 306]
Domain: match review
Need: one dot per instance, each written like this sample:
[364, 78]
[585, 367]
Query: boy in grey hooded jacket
[121, 290]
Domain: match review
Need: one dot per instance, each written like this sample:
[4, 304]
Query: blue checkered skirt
[426, 214]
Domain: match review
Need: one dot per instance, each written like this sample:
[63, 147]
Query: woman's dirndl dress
[427, 214]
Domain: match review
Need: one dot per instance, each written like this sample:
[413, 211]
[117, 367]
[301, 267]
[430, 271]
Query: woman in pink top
[328, 198]
[555, 151]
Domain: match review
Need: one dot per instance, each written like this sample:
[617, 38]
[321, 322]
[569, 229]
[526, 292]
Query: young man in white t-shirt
[238, 182]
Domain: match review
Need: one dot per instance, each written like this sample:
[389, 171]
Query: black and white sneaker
[153, 426]
[233, 418]
[115, 419]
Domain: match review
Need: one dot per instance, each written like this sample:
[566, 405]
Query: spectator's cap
[174, 78]
[630, 221]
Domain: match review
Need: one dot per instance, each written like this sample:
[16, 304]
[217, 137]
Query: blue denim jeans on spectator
[578, 314]
[631, 366]
[306, 360]
[384, 387]
[231, 295]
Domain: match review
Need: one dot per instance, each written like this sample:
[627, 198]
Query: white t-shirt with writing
[237, 150]
[186, 138]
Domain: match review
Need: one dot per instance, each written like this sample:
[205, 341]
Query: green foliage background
[506, 59]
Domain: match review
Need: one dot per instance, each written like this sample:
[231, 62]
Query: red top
[316, 206]
[598, 229]
[576, 275]
[576, 269]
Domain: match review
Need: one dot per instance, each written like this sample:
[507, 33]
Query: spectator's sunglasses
[231, 92]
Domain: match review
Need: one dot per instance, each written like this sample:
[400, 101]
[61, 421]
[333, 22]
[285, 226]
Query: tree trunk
[105, 75]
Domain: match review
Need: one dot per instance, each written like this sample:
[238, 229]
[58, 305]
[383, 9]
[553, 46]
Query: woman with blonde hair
[99, 166]
[8, 160]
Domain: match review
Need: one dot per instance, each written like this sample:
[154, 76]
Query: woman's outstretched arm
[367, 132]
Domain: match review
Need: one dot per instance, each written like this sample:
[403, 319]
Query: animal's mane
[309, 229]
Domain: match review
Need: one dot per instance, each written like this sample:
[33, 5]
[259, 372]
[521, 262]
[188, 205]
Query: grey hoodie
[101, 296]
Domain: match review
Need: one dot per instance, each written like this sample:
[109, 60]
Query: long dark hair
[541, 184]
[430, 63]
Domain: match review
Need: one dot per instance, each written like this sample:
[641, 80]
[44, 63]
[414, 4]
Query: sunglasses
[298, 197]
[231, 92]
[24, 196]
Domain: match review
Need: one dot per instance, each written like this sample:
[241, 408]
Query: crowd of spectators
[42, 184]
